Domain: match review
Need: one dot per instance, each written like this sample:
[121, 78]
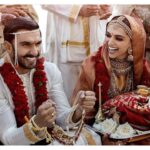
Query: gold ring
[52, 114]
[53, 123]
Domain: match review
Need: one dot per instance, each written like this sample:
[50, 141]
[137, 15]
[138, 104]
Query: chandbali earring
[130, 56]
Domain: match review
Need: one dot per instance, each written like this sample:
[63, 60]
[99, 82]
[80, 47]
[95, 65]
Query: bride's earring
[130, 56]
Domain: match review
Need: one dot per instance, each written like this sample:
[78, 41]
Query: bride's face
[118, 41]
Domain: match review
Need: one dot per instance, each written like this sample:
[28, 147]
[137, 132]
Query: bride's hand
[88, 101]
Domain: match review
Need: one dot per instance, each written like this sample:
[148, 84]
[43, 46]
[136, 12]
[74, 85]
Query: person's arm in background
[72, 12]
[122, 9]
[4, 18]
[19, 10]
[67, 11]
[102, 11]
[29, 10]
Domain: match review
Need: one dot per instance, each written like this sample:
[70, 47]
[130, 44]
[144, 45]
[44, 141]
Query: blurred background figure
[73, 32]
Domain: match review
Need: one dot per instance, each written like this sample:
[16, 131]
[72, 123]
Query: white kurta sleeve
[57, 94]
[70, 12]
[9, 133]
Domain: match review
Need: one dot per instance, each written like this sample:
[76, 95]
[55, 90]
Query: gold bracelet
[36, 129]
[29, 134]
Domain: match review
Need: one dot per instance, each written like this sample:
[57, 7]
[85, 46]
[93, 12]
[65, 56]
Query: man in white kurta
[23, 43]
[73, 32]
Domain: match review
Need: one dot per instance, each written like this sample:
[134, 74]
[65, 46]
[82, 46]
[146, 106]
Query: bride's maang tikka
[119, 21]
